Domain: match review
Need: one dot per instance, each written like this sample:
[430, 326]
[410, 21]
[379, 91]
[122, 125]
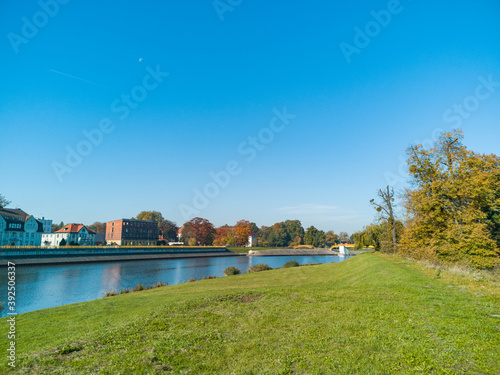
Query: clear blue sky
[227, 72]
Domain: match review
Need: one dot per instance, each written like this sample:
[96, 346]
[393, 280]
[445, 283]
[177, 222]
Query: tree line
[200, 231]
[451, 212]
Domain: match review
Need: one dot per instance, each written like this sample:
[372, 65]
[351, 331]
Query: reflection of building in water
[111, 277]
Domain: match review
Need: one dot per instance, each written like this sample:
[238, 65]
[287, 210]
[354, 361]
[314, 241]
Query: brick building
[132, 232]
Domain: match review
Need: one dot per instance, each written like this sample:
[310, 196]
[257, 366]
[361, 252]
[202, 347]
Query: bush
[232, 271]
[138, 288]
[292, 263]
[258, 268]
[192, 280]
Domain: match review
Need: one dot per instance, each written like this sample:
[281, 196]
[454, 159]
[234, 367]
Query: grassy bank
[368, 315]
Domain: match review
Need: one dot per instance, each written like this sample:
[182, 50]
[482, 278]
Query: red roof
[74, 228]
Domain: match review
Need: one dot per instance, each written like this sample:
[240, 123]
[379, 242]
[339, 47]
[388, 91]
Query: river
[50, 286]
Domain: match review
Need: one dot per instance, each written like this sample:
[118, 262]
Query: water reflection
[50, 286]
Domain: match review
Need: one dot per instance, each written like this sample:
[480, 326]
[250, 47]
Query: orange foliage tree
[225, 235]
[243, 231]
[199, 231]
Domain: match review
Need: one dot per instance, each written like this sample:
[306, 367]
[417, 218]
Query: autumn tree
[331, 238]
[199, 230]
[3, 202]
[225, 236]
[243, 231]
[385, 207]
[168, 229]
[454, 205]
[98, 227]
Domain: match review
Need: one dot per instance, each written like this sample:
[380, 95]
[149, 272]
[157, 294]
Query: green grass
[367, 315]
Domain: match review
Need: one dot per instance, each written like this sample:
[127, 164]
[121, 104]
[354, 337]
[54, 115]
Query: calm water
[50, 286]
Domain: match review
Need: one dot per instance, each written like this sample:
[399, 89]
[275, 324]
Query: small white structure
[72, 234]
[252, 241]
[343, 250]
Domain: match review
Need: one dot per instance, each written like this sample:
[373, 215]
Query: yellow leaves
[454, 206]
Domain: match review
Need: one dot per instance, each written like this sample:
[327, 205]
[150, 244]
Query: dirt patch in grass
[241, 297]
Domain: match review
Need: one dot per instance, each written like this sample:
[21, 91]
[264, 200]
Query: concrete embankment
[44, 257]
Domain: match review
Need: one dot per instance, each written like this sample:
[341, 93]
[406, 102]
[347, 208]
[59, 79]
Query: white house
[47, 224]
[17, 228]
[76, 234]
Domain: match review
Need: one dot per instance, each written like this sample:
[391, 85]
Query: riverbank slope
[368, 314]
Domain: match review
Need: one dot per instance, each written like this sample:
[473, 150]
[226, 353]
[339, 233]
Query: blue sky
[350, 119]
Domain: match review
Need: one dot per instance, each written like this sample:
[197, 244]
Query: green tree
[377, 235]
[255, 230]
[344, 237]
[3, 202]
[150, 215]
[314, 237]
[385, 208]
[167, 228]
[295, 231]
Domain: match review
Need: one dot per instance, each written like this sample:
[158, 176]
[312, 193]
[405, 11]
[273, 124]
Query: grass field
[371, 314]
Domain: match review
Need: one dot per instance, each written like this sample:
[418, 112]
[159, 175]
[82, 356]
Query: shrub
[258, 267]
[292, 263]
[110, 294]
[138, 288]
[69, 349]
[192, 280]
[159, 284]
[232, 271]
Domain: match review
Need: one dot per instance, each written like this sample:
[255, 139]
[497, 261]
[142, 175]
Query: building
[17, 228]
[47, 224]
[100, 239]
[131, 232]
[73, 234]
